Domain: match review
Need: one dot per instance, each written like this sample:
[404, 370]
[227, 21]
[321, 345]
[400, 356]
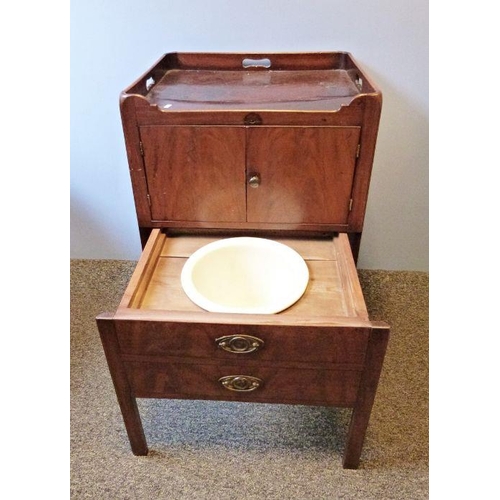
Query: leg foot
[126, 400]
[375, 353]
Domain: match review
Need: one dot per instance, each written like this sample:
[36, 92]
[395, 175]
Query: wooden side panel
[373, 107]
[144, 270]
[306, 173]
[128, 109]
[353, 294]
[298, 61]
[195, 173]
[308, 248]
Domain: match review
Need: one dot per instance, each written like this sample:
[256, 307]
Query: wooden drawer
[329, 324]
[333, 296]
[336, 345]
[185, 380]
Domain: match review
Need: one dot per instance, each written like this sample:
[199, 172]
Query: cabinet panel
[305, 173]
[195, 173]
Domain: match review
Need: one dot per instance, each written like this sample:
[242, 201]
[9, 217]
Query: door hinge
[350, 204]
[358, 149]
[141, 148]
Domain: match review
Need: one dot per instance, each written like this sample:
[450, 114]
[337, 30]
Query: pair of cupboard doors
[250, 174]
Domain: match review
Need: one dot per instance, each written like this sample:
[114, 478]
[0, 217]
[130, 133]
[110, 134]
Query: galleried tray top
[182, 81]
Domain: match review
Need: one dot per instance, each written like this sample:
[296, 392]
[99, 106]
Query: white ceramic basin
[245, 275]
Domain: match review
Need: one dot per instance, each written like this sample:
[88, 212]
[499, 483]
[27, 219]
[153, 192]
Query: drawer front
[268, 384]
[336, 345]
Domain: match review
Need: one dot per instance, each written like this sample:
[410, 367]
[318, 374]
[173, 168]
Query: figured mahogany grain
[195, 173]
[330, 345]
[306, 173]
[280, 385]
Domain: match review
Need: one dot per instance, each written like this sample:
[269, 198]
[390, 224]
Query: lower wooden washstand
[323, 350]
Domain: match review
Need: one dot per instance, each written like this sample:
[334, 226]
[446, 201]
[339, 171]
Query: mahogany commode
[273, 145]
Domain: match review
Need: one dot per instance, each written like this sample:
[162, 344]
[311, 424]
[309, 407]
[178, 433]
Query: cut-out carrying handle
[248, 62]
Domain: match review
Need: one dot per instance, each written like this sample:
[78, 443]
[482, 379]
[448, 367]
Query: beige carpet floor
[217, 450]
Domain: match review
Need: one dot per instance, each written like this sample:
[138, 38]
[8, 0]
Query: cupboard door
[195, 173]
[305, 174]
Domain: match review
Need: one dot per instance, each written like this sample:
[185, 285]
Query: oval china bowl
[245, 275]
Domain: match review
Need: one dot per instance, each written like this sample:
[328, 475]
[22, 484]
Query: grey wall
[114, 42]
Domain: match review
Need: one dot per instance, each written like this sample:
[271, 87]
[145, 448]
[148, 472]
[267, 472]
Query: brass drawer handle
[240, 344]
[240, 383]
